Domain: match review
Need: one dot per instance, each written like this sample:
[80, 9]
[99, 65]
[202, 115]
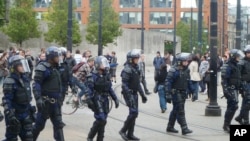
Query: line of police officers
[236, 79]
[52, 77]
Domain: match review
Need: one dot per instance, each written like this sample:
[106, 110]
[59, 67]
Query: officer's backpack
[77, 66]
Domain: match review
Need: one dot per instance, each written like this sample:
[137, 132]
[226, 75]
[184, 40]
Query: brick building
[158, 14]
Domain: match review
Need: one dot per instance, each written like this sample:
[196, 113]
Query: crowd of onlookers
[33, 60]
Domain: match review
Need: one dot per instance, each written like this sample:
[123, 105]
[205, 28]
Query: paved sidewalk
[151, 123]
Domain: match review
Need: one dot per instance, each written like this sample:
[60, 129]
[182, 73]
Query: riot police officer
[65, 73]
[47, 90]
[244, 64]
[176, 84]
[100, 88]
[230, 74]
[17, 101]
[130, 87]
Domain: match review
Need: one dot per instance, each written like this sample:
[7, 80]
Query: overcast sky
[243, 2]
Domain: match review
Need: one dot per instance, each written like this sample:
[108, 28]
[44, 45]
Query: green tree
[110, 23]
[183, 30]
[57, 23]
[22, 25]
[2, 12]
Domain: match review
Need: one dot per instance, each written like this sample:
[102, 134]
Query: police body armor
[101, 85]
[23, 93]
[234, 78]
[53, 82]
[230, 84]
[134, 82]
[181, 82]
[245, 70]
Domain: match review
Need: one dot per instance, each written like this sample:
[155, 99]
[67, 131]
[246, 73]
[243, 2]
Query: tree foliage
[57, 22]
[110, 23]
[2, 12]
[22, 23]
[183, 30]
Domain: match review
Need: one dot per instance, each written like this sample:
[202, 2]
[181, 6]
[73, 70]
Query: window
[42, 3]
[130, 17]
[78, 3]
[161, 3]
[186, 17]
[160, 18]
[190, 3]
[78, 17]
[130, 3]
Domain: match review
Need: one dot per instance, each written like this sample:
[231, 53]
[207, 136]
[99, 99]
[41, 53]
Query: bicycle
[70, 104]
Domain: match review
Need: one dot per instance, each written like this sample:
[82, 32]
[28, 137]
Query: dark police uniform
[243, 117]
[47, 90]
[100, 88]
[231, 76]
[17, 107]
[176, 84]
[130, 87]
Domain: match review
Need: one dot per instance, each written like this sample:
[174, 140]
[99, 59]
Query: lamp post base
[213, 110]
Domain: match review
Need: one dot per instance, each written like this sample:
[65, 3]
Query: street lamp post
[100, 29]
[142, 26]
[200, 26]
[213, 109]
[238, 25]
[191, 30]
[69, 31]
[174, 38]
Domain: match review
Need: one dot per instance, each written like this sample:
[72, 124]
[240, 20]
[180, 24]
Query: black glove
[14, 124]
[116, 103]
[33, 113]
[14, 121]
[168, 98]
[40, 104]
[144, 99]
[1, 116]
[227, 93]
[91, 104]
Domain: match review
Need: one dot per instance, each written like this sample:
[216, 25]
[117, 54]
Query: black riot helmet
[132, 54]
[18, 60]
[236, 53]
[101, 63]
[180, 57]
[247, 49]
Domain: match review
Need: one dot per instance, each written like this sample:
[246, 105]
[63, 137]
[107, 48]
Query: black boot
[101, 130]
[35, 133]
[239, 119]
[226, 127]
[93, 130]
[125, 127]
[172, 130]
[185, 130]
[131, 135]
[123, 135]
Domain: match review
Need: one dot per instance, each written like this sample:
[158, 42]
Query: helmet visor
[135, 53]
[105, 63]
[25, 65]
[240, 54]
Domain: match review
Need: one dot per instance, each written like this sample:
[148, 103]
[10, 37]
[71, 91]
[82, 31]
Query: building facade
[158, 14]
